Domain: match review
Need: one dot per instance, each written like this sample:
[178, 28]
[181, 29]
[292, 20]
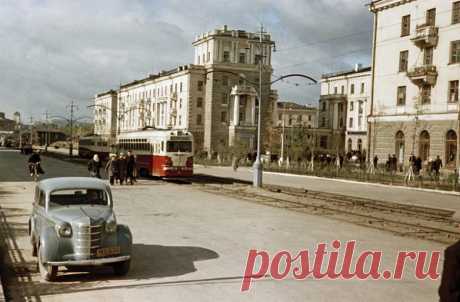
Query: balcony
[423, 75]
[425, 36]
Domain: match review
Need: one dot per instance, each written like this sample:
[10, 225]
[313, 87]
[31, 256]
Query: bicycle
[33, 168]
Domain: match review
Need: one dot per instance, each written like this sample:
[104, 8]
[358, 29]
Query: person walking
[94, 166]
[111, 169]
[437, 167]
[130, 168]
[122, 166]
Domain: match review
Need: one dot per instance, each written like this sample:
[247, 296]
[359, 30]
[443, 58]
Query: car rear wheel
[47, 272]
[121, 268]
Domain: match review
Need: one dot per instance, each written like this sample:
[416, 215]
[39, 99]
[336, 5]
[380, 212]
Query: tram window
[179, 146]
[162, 146]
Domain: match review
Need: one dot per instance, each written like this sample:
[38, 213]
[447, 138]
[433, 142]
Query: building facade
[353, 86]
[216, 97]
[415, 76]
[105, 114]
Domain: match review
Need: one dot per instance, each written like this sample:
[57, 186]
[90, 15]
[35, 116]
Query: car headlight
[64, 230]
[111, 226]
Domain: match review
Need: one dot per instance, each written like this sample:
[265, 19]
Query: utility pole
[258, 168]
[31, 130]
[72, 106]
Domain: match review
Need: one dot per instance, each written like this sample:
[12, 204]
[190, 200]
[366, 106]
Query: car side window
[41, 199]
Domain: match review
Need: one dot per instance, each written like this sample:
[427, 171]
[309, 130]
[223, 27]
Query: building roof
[346, 72]
[111, 91]
[62, 183]
[292, 105]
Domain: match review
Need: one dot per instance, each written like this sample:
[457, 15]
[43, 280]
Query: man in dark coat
[122, 167]
[130, 167]
[449, 290]
[94, 166]
[111, 169]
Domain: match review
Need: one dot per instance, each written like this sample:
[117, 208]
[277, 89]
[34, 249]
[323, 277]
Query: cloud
[56, 51]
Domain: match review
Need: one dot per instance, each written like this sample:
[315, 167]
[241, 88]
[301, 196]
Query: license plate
[108, 251]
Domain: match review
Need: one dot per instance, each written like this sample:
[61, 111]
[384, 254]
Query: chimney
[225, 27]
[358, 67]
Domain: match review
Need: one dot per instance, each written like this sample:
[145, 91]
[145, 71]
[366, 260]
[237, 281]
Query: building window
[428, 56]
[257, 59]
[209, 57]
[360, 145]
[280, 117]
[242, 58]
[199, 102]
[431, 17]
[198, 119]
[290, 121]
[360, 107]
[226, 56]
[335, 90]
[323, 106]
[403, 60]
[362, 88]
[424, 145]
[400, 146]
[342, 89]
[180, 87]
[350, 124]
[309, 118]
[352, 105]
[455, 52]
[405, 26]
[456, 12]
[453, 91]
[223, 116]
[352, 89]
[425, 94]
[200, 85]
[225, 80]
[323, 122]
[323, 142]
[401, 96]
[224, 98]
[451, 147]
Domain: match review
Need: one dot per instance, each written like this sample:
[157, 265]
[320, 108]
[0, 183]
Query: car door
[39, 212]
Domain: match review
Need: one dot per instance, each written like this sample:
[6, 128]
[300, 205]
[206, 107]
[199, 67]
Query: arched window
[424, 145]
[451, 147]
[350, 145]
[400, 146]
[360, 145]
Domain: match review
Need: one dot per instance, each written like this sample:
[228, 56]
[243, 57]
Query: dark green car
[73, 224]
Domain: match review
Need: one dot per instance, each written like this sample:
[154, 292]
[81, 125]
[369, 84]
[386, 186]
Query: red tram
[161, 153]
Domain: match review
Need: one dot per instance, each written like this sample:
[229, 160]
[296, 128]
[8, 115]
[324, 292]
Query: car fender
[124, 239]
[49, 244]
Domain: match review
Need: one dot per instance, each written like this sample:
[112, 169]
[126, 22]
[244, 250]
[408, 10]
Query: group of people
[119, 168]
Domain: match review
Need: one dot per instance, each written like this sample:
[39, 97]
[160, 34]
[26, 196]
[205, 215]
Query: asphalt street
[190, 245]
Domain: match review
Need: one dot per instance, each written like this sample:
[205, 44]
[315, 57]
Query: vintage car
[73, 224]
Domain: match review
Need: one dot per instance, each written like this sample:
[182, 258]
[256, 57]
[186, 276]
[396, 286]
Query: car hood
[73, 214]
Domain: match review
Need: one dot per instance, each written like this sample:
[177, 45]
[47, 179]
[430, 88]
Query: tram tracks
[401, 219]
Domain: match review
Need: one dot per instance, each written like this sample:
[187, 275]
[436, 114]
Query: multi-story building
[353, 88]
[105, 114]
[216, 98]
[415, 76]
[290, 114]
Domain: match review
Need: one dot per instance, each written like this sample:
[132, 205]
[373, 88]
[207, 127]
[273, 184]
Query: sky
[53, 52]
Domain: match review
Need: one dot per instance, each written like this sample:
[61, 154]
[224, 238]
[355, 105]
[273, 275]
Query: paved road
[373, 191]
[190, 245]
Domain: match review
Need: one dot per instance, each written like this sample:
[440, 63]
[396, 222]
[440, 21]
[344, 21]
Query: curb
[345, 181]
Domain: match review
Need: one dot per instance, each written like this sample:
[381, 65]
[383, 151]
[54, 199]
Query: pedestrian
[449, 289]
[111, 169]
[417, 165]
[437, 167]
[375, 161]
[122, 166]
[235, 163]
[130, 167]
[94, 166]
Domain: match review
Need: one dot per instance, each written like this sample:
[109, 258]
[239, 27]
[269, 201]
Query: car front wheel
[121, 268]
[47, 272]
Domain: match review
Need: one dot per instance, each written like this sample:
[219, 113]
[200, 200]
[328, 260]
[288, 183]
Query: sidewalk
[411, 196]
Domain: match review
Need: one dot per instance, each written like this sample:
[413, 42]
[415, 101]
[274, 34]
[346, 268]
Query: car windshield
[179, 146]
[71, 197]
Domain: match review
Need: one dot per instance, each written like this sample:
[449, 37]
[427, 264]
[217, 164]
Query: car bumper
[89, 262]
